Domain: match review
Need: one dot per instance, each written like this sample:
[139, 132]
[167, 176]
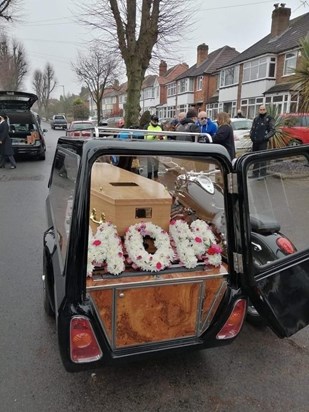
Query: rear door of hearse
[279, 288]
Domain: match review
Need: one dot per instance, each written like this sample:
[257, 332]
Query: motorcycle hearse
[137, 266]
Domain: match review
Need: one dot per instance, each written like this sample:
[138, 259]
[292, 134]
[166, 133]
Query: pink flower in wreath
[96, 242]
[214, 249]
[198, 239]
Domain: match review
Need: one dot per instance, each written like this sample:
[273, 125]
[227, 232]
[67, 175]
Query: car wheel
[48, 308]
[294, 142]
[42, 156]
[253, 316]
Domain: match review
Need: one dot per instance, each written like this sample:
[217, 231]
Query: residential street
[257, 372]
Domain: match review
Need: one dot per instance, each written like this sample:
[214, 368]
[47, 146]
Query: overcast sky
[49, 32]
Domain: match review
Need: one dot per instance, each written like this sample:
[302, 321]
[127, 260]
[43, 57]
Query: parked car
[297, 127]
[121, 289]
[59, 121]
[114, 121]
[241, 128]
[84, 129]
[24, 129]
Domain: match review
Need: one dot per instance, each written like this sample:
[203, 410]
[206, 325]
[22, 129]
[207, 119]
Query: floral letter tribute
[187, 245]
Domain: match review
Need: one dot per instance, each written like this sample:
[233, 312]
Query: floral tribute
[164, 254]
[195, 243]
[105, 249]
[185, 244]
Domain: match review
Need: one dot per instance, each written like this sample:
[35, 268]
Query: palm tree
[301, 78]
[281, 138]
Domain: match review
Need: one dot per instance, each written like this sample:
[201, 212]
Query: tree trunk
[135, 75]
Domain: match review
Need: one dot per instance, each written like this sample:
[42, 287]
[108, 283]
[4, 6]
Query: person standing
[187, 124]
[6, 149]
[152, 163]
[206, 124]
[239, 115]
[263, 128]
[225, 134]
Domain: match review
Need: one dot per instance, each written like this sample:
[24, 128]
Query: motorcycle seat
[264, 224]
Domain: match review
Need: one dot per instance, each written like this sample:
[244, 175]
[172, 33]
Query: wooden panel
[154, 314]
[212, 287]
[159, 277]
[103, 300]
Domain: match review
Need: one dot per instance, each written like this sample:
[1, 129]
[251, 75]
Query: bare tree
[301, 77]
[13, 64]
[7, 9]
[97, 70]
[44, 83]
[37, 83]
[138, 29]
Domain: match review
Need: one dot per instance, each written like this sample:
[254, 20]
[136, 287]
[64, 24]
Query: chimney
[162, 68]
[202, 53]
[280, 19]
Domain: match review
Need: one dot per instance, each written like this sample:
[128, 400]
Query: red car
[297, 126]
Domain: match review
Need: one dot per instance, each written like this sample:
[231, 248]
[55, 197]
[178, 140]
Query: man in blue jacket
[206, 124]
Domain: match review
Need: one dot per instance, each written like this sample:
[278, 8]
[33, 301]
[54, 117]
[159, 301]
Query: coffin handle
[93, 217]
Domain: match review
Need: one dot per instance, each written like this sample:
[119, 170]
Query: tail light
[235, 321]
[76, 134]
[285, 245]
[84, 346]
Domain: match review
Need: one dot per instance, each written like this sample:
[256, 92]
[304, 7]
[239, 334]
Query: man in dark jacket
[6, 149]
[263, 128]
[188, 124]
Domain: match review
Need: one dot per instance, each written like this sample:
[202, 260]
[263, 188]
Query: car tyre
[42, 156]
[48, 308]
[253, 316]
[294, 142]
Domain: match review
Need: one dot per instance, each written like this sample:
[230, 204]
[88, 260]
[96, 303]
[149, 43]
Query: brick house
[263, 73]
[198, 86]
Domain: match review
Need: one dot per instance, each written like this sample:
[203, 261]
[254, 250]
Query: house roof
[298, 28]
[173, 73]
[280, 87]
[149, 81]
[212, 63]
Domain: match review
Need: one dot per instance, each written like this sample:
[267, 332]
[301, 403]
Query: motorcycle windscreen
[273, 217]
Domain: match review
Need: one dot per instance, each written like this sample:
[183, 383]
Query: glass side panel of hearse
[273, 202]
[157, 260]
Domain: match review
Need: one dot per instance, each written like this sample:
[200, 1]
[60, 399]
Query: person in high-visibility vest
[152, 163]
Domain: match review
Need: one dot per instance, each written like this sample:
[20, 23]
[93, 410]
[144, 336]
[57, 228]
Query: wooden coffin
[125, 198]
[146, 309]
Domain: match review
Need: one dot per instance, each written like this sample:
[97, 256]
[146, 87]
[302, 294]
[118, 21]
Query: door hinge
[238, 262]
[232, 183]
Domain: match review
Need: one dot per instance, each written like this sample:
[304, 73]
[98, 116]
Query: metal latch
[238, 262]
[232, 183]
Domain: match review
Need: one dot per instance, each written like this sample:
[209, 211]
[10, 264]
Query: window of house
[171, 89]
[199, 83]
[259, 69]
[148, 93]
[229, 76]
[182, 86]
[290, 61]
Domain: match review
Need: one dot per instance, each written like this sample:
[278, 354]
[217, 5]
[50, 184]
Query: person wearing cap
[152, 163]
[6, 149]
[188, 124]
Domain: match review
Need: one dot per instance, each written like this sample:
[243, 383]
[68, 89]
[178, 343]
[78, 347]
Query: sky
[50, 32]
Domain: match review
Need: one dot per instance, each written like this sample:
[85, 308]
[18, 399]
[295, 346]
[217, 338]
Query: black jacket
[225, 137]
[263, 128]
[6, 148]
[187, 125]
